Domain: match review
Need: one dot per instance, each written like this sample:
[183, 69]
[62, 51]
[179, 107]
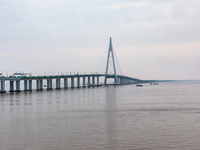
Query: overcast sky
[153, 39]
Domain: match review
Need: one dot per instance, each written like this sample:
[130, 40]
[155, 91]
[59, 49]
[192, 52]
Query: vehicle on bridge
[21, 75]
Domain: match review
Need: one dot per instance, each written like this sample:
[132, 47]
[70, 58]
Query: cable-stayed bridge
[29, 83]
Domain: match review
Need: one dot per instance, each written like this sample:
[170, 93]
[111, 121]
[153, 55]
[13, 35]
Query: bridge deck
[82, 80]
[64, 76]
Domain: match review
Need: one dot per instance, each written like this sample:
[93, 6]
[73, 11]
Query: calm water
[153, 117]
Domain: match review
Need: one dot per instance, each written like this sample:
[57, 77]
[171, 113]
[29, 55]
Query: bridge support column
[93, 81]
[119, 80]
[89, 81]
[98, 81]
[37, 84]
[57, 83]
[30, 85]
[2, 87]
[18, 86]
[78, 82]
[84, 82]
[49, 84]
[72, 82]
[25, 85]
[12, 86]
[65, 83]
[41, 84]
[122, 81]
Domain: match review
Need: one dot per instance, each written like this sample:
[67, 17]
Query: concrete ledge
[12, 91]
[39, 89]
[98, 85]
[27, 90]
[15, 91]
[18, 91]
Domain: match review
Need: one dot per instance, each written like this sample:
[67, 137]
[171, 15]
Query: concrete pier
[65, 83]
[30, 85]
[98, 81]
[18, 86]
[49, 84]
[41, 84]
[37, 84]
[93, 81]
[88, 81]
[78, 82]
[25, 85]
[12, 86]
[84, 82]
[57, 83]
[2, 87]
[118, 80]
[121, 80]
[72, 82]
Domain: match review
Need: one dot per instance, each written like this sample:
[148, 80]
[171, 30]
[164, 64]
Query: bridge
[67, 81]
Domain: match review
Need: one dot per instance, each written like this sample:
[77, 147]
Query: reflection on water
[111, 124]
[164, 116]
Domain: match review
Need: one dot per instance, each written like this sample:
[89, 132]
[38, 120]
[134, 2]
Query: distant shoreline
[149, 81]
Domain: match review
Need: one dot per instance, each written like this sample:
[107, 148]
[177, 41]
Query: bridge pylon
[112, 58]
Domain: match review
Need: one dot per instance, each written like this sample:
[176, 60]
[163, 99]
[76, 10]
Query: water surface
[153, 117]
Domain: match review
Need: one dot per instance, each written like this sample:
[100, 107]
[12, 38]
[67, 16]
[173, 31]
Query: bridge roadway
[88, 80]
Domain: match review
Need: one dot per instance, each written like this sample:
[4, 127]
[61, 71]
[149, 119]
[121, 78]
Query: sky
[152, 39]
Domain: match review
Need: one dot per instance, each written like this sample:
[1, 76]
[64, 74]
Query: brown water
[153, 117]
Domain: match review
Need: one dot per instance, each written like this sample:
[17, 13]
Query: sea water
[152, 117]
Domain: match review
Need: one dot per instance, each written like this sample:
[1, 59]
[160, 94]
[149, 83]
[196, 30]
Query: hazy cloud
[53, 32]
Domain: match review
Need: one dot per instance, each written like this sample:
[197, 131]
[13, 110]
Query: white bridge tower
[112, 58]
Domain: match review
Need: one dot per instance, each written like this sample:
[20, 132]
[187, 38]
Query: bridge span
[14, 84]
[76, 81]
